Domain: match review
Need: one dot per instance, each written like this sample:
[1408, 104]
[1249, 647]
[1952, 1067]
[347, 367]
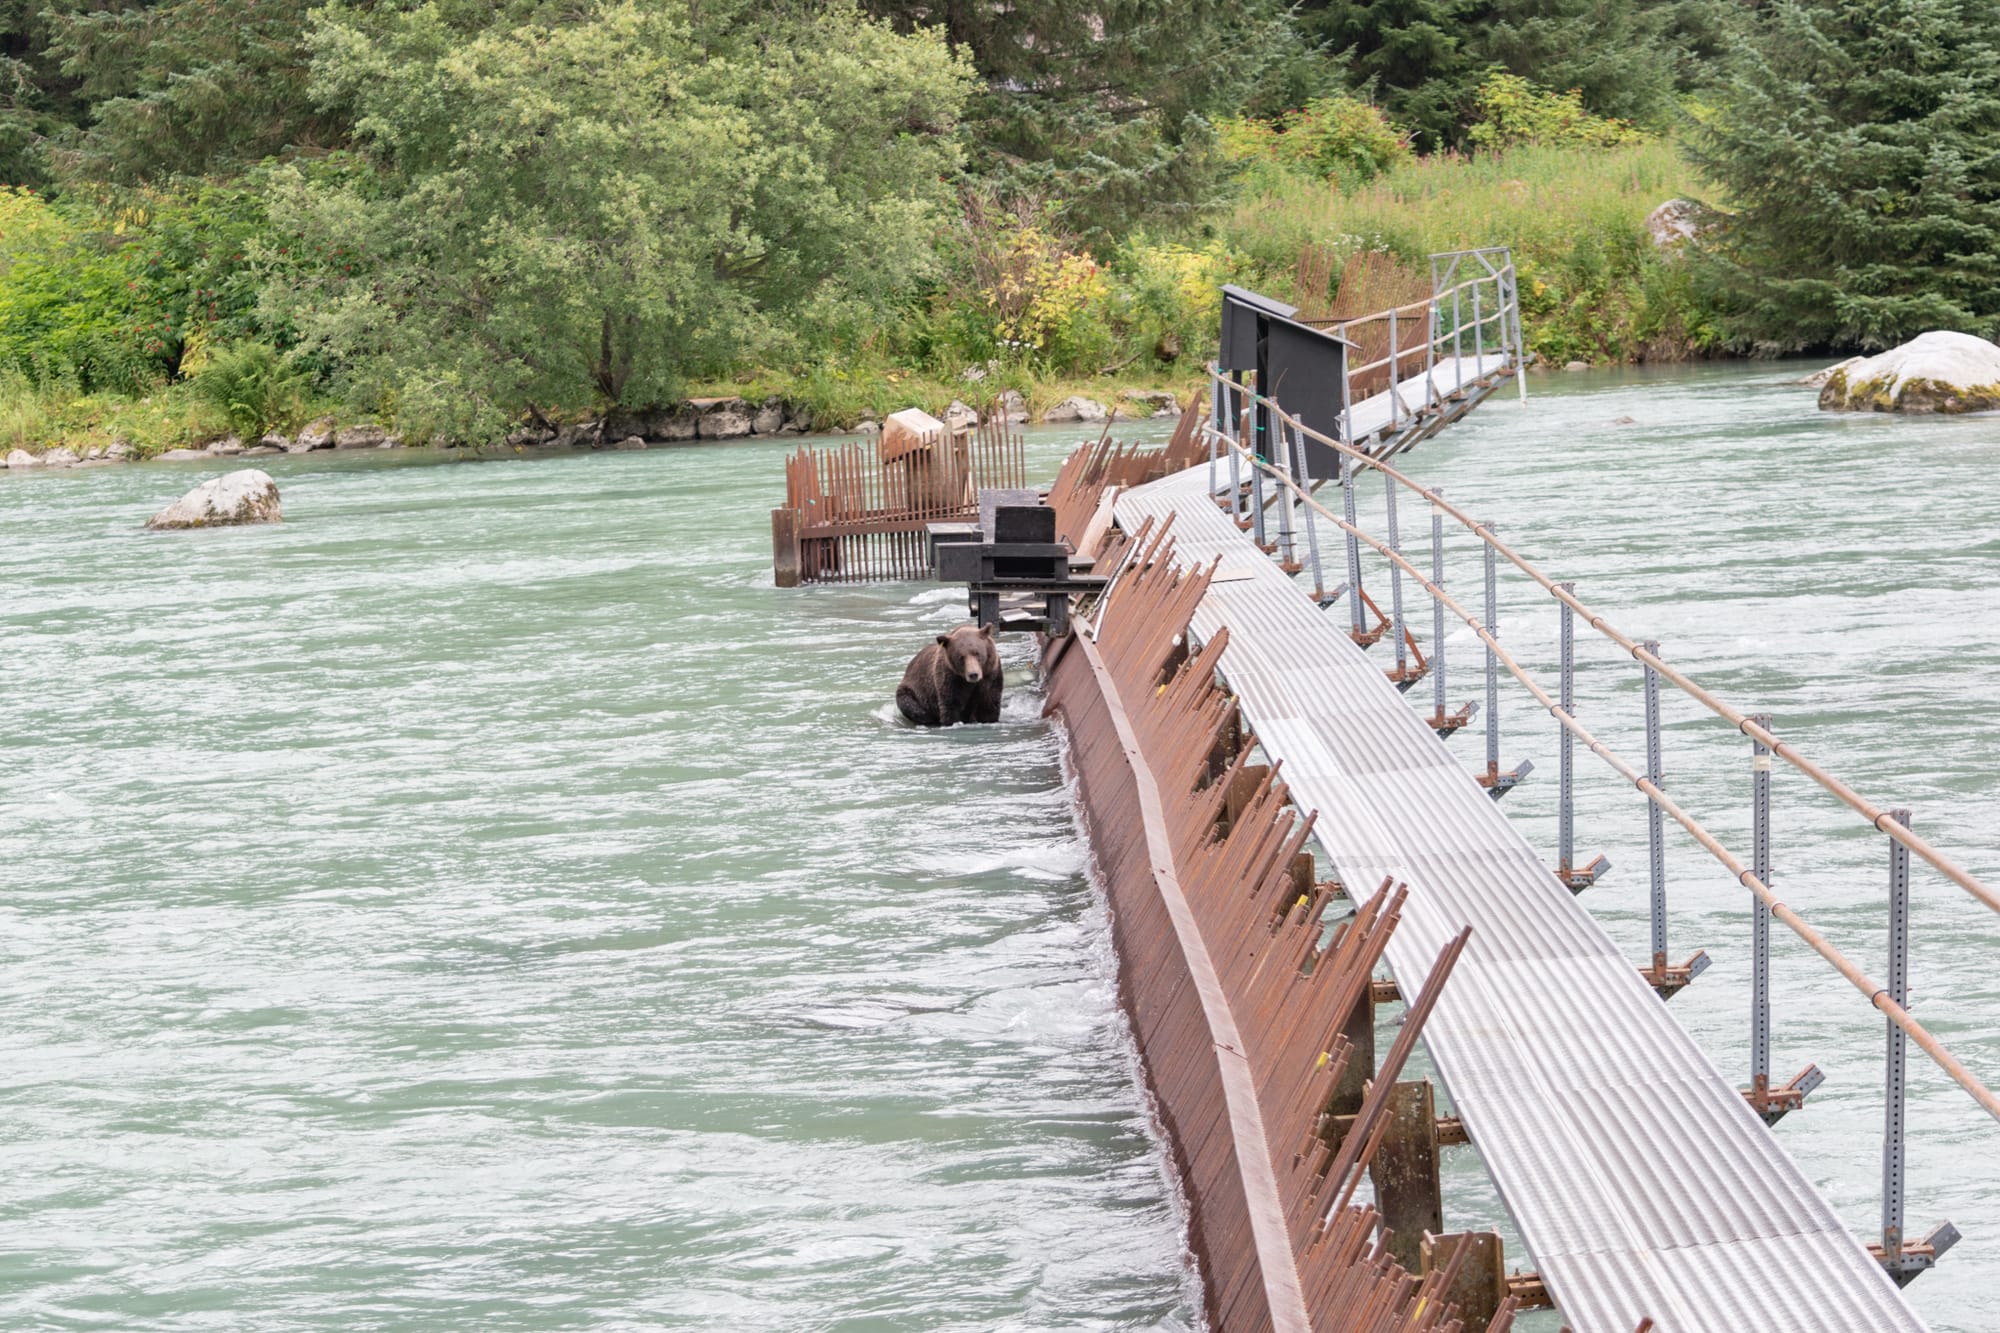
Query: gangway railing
[1467, 340]
[1293, 490]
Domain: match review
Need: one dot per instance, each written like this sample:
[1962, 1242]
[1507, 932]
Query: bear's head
[969, 652]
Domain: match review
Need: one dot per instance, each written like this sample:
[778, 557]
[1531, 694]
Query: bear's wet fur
[956, 679]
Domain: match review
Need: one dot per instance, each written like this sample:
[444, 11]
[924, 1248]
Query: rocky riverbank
[692, 420]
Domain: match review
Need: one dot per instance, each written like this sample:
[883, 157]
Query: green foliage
[1855, 147]
[1513, 111]
[1337, 138]
[254, 387]
[532, 228]
[113, 297]
[1592, 285]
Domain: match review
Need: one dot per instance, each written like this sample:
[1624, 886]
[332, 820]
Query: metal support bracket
[1669, 980]
[1917, 1256]
[1445, 724]
[1498, 784]
[1774, 1104]
[1577, 880]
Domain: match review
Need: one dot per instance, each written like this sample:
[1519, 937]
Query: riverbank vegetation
[233, 215]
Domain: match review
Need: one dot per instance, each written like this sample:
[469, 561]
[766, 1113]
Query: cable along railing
[1471, 322]
[1291, 494]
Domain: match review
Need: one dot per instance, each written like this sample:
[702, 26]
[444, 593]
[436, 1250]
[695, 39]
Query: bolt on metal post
[1760, 918]
[1656, 840]
[1437, 605]
[1893, 1071]
[1566, 745]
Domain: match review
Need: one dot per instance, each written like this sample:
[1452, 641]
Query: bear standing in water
[956, 679]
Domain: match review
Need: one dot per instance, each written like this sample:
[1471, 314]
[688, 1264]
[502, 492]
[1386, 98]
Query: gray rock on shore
[1076, 408]
[230, 500]
[21, 458]
[1151, 402]
[1939, 371]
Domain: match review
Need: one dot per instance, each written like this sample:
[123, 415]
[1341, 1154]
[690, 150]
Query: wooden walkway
[1641, 1181]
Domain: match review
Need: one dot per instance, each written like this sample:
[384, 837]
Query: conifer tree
[1857, 155]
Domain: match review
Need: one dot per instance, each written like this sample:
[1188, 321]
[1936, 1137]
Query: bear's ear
[986, 631]
[944, 640]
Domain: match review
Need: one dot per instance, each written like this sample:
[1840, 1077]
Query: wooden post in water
[785, 547]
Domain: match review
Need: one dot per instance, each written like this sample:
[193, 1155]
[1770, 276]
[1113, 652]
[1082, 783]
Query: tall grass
[1593, 287]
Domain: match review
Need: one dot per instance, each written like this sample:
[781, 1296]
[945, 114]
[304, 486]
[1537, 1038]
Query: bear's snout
[972, 671]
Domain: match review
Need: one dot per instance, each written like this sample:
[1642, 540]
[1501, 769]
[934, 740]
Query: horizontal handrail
[1878, 996]
[1743, 722]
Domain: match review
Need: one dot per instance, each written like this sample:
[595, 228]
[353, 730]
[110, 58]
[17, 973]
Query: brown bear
[956, 679]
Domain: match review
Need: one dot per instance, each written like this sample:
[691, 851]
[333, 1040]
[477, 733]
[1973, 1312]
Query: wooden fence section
[1238, 996]
[858, 511]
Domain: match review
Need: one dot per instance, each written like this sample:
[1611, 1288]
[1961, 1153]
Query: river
[484, 901]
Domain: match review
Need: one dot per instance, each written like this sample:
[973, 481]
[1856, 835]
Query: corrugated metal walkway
[1640, 1179]
[1414, 395]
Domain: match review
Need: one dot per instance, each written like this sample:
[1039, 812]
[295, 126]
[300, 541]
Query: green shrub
[1513, 112]
[1336, 138]
[255, 387]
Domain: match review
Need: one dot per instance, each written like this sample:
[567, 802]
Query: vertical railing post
[1395, 390]
[1214, 424]
[1566, 746]
[1354, 613]
[1304, 475]
[1281, 458]
[1492, 659]
[1237, 437]
[1656, 839]
[1437, 606]
[1256, 448]
[1760, 919]
[1396, 584]
[1893, 1072]
[1520, 347]
[1478, 331]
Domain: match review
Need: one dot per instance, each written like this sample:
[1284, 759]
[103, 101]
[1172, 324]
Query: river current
[484, 901]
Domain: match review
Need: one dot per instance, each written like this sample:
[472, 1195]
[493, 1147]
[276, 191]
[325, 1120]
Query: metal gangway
[1436, 359]
[1645, 1183]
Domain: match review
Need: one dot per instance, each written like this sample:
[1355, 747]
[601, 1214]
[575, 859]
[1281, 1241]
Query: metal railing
[1479, 314]
[1293, 487]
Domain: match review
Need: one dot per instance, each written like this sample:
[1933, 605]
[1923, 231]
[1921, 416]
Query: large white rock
[1933, 372]
[248, 496]
[22, 458]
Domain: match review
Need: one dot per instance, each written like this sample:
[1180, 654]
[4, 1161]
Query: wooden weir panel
[1237, 1004]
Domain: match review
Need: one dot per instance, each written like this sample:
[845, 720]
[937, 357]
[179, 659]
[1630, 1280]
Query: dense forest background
[457, 215]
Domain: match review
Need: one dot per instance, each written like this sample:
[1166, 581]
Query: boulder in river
[1940, 371]
[1818, 379]
[245, 496]
[1077, 408]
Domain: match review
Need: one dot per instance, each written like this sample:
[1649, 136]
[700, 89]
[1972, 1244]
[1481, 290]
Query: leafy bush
[1513, 112]
[1172, 296]
[255, 387]
[1334, 138]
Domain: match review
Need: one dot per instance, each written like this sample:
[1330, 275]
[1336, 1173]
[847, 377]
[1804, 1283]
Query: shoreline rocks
[1940, 371]
[230, 500]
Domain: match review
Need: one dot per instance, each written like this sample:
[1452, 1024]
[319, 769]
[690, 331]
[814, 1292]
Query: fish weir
[1238, 984]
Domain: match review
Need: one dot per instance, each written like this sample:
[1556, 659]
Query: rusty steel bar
[1860, 980]
[1875, 815]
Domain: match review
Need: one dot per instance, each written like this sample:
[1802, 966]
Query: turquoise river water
[484, 902]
